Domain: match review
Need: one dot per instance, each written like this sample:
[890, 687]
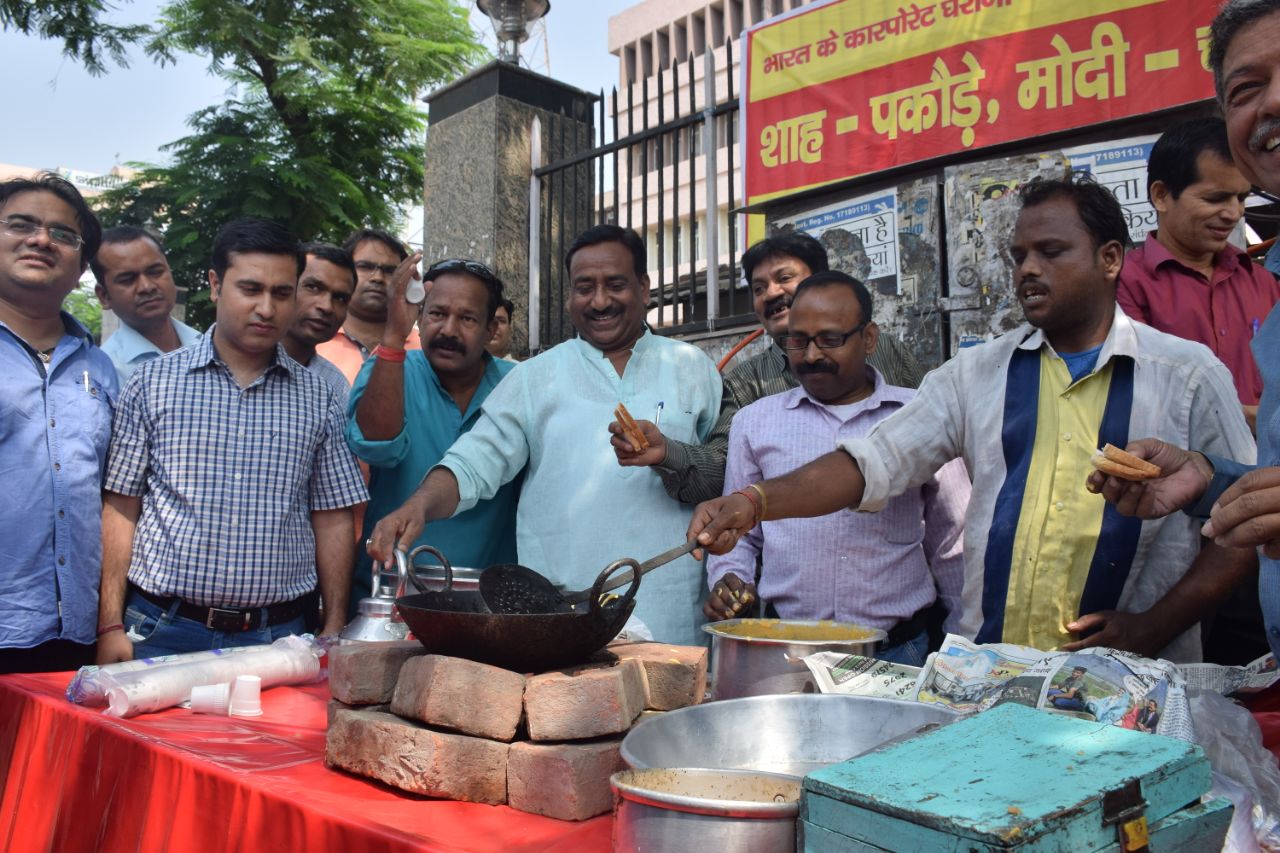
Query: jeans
[912, 653]
[156, 631]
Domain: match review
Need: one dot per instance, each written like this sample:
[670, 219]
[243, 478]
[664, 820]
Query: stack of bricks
[461, 730]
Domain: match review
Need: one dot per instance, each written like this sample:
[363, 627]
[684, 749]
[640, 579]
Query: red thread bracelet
[109, 629]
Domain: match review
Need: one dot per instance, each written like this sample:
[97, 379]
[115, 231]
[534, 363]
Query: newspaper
[1100, 684]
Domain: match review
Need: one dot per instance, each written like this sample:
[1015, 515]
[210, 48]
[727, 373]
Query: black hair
[1234, 16]
[510, 306]
[609, 234]
[492, 284]
[835, 278]
[795, 244]
[1099, 211]
[335, 255]
[250, 235]
[385, 237]
[1173, 157]
[49, 182]
[119, 235]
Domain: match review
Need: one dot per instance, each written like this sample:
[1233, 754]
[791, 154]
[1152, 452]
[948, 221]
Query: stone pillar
[478, 167]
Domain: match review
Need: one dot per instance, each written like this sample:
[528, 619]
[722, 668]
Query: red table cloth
[73, 779]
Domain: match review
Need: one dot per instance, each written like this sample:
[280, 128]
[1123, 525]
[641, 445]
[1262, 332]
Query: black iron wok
[457, 623]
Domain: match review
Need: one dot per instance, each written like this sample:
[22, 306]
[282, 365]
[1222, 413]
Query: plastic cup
[246, 696]
[210, 698]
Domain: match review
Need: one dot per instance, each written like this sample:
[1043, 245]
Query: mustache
[805, 368]
[1265, 128]
[776, 304]
[605, 314]
[447, 342]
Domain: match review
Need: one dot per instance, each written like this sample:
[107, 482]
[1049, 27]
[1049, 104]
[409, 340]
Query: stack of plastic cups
[211, 698]
[246, 696]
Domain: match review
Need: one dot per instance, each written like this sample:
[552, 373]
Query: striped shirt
[983, 405]
[873, 569]
[693, 473]
[228, 476]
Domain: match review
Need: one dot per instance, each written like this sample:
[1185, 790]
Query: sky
[74, 120]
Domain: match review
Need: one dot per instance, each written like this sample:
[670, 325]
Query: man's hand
[401, 314]
[1251, 418]
[114, 647]
[1248, 514]
[628, 455]
[1139, 633]
[718, 524]
[1183, 479]
[333, 624]
[729, 597]
[398, 529]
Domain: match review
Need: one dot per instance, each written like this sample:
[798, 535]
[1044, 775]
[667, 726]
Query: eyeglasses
[476, 269]
[370, 266]
[824, 340]
[24, 228]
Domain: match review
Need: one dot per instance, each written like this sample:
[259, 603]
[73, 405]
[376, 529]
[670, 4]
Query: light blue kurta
[579, 509]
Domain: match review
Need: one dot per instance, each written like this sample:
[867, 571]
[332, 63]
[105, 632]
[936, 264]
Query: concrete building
[647, 39]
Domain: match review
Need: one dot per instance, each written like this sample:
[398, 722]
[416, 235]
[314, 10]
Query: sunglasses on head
[475, 268]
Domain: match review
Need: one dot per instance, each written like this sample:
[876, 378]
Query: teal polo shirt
[481, 536]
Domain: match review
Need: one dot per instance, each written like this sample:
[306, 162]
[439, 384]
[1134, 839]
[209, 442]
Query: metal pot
[661, 810]
[794, 735]
[762, 665]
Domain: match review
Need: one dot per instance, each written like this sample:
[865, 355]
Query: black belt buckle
[228, 621]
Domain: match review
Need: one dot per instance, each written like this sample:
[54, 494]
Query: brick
[584, 702]
[452, 693]
[366, 673]
[676, 676]
[414, 758]
[335, 706]
[569, 781]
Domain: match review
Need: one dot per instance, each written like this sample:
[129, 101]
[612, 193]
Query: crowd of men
[180, 491]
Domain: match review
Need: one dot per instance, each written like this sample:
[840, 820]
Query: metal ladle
[510, 588]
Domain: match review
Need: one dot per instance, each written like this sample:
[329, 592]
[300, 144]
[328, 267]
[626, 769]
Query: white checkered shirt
[228, 477]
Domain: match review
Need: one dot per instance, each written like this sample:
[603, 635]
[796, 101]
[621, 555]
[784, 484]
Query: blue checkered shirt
[228, 476]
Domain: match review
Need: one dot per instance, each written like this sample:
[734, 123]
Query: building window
[629, 64]
[717, 25]
[664, 50]
[699, 34]
[681, 35]
[735, 18]
[646, 57]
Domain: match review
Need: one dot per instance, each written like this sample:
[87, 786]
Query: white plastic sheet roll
[290, 660]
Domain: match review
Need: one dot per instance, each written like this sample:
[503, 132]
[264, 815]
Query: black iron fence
[663, 158]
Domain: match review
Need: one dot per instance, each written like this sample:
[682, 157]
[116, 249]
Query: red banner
[859, 86]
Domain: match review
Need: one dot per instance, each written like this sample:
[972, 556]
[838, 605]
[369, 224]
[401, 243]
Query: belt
[229, 619]
[904, 632]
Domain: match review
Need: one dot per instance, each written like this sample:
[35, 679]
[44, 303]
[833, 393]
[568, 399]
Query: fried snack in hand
[1115, 462]
[634, 434]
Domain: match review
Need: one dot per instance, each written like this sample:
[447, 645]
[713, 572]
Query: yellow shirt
[1060, 520]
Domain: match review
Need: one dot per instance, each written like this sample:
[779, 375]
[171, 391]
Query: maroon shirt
[1223, 314]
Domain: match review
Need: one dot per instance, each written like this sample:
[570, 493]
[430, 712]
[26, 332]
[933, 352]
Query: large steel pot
[776, 734]
[674, 810]
[767, 662]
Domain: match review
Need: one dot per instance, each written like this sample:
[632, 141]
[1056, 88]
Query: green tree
[320, 128]
[82, 303]
[78, 24]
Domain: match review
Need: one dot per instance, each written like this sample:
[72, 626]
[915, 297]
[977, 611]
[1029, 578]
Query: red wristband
[386, 353]
[754, 499]
[109, 629]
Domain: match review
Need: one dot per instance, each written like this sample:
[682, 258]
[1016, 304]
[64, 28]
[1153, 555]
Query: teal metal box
[1014, 778]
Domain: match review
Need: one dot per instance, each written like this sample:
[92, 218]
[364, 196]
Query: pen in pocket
[657, 413]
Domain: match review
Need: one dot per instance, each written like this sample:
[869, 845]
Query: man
[377, 255]
[1070, 695]
[774, 267]
[408, 408]
[499, 345]
[229, 487]
[883, 570]
[324, 292]
[134, 281]
[55, 425]
[1046, 564]
[578, 510]
[1149, 717]
[1243, 505]
[1186, 279]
